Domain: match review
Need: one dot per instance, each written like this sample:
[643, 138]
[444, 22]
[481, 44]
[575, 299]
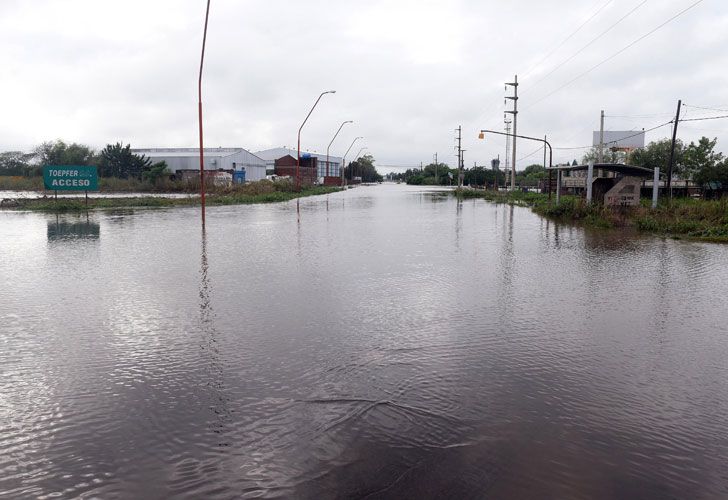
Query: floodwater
[384, 342]
[91, 194]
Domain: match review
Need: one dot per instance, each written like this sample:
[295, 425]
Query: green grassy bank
[680, 218]
[263, 192]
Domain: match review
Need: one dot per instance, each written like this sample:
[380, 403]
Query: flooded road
[384, 342]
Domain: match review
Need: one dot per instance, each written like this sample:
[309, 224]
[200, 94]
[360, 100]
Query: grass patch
[680, 218]
[231, 197]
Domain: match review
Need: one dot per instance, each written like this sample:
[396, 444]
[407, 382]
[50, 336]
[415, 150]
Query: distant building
[271, 155]
[228, 159]
[286, 167]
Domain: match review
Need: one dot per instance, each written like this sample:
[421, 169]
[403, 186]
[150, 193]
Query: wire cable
[587, 45]
[631, 44]
[552, 51]
[703, 118]
[622, 138]
[706, 108]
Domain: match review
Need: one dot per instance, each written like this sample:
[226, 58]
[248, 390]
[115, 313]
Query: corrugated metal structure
[236, 159]
[271, 155]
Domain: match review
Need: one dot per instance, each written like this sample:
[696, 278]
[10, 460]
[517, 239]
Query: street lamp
[347, 152]
[199, 116]
[482, 136]
[356, 158]
[332, 141]
[298, 161]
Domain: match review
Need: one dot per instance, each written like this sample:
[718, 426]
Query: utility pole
[508, 151]
[672, 149]
[544, 164]
[436, 179]
[461, 169]
[459, 138]
[600, 155]
[514, 98]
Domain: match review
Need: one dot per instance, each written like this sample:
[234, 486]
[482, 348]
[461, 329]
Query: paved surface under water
[384, 342]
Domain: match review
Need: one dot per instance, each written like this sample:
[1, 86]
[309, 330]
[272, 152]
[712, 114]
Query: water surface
[382, 342]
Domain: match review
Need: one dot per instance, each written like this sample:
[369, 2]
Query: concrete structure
[619, 184]
[271, 155]
[228, 159]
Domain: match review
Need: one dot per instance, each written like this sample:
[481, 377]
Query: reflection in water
[215, 385]
[64, 229]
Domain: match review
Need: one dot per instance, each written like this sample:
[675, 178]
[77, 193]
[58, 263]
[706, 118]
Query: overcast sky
[407, 72]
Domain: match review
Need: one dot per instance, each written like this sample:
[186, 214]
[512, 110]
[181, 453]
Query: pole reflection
[219, 401]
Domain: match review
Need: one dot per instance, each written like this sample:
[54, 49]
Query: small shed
[613, 184]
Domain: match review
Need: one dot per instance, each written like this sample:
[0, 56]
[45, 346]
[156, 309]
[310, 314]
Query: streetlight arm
[336, 134]
[523, 137]
[311, 111]
[343, 163]
[298, 160]
[332, 141]
[352, 144]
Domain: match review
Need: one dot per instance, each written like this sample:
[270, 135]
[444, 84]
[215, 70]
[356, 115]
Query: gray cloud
[408, 72]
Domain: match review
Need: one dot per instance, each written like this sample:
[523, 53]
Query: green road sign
[70, 178]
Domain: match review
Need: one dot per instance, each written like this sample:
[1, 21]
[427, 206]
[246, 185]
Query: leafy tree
[119, 161]
[60, 153]
[700, 160]
[609, 155]
[156, 172]
[15, 163]
[657, 155]
[363, 167]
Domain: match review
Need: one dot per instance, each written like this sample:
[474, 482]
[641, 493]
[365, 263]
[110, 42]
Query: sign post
[70, 178]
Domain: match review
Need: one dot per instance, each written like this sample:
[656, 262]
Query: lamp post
[347, 152]
[332, 141]
[298, 161]
[356, 158]
[199, 116]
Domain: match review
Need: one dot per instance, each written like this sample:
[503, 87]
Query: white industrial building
[271, 155]
[215, 158]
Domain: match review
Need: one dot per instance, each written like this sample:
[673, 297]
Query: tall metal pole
[508, 151]
[347, 152]
[199, 116]
[332, 141]
[298, 161]
[436, 178]
[460, 153]
[544, 164]
[514, 98]
[672, 149]
[600, 157]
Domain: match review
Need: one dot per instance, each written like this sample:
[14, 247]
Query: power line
[490, 108]
[623, 138]
[551, 52]
[588, 44]
[654, 115]
[615, 54]
[540, 148]
[703, 118]
[706, 108]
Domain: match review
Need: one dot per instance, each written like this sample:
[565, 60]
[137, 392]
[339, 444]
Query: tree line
[697, 161]
[363, 167]
[114, 160]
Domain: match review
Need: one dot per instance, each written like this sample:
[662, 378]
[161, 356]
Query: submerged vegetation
[258, 192]
[679, 218]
